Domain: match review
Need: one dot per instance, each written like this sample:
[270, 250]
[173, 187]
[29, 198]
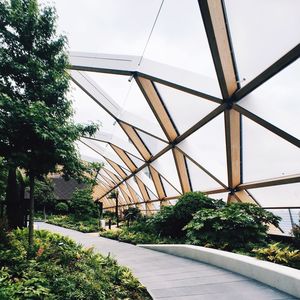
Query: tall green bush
[170, 220]
[231, 227]
[82, 204]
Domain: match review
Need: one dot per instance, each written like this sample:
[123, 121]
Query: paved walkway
[170, 277]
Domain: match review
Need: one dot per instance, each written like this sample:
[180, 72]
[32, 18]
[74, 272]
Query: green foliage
[62, 207]
[3, 179]
[170, 220]
[72, 222]
[132, 214]
[128, 235]
[44, 194]
[109, 215]
[234, 226]
[82, 204]
[60, 269]
[279, 254]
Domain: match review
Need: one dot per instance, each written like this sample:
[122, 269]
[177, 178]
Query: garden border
[280, 277]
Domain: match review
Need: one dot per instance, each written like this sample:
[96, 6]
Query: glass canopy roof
[192, 95]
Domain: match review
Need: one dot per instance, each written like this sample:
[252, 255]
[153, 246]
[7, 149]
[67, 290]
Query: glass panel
[179, 40]
[207, 147]
[87, 110]
[185, 109]
[137, 112]
[151, 194]
[135, 187]
[144, 176]
[266, 155]
[126, 93]
[287, 195]
[199, 179]
[277, 100]
[165, 165]
[170, 191]
[107, 26]
[136, 161]
[285, 223]
[153, 144]
[105, 151]
[256, 28]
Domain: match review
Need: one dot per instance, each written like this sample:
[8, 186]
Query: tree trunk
[12, 199]
[31, 213]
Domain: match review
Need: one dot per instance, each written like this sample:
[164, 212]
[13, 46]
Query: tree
[37, 132]
[82, 204]
[3, 179]
[132, 214]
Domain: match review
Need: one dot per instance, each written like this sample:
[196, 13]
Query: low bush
[61, 269]
[231, 227]
[134, 236]
[279, 254]
[170, 220]
[71, 222]
[62, 207]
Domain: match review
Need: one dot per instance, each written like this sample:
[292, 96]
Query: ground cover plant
[61, 269]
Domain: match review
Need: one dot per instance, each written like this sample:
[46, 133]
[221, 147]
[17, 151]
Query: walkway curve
[170, 277]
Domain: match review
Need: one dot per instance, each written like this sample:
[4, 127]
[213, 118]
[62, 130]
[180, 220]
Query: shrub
[170, 220]
[279, 254]
[82, 204]
[71, 222]
[62, 207]
[125, 234]
[61, 269]
[234, 226]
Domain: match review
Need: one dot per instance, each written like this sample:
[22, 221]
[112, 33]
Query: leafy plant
[70, 221]
[62, 207]
[60, 269]
[170, 220]
[82, 204]
[279, 254]
[234, 226]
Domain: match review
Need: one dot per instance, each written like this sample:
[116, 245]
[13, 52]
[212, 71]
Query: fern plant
[279, 254]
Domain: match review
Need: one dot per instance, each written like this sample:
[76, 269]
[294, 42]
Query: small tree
[82, 204]
[132, 214]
